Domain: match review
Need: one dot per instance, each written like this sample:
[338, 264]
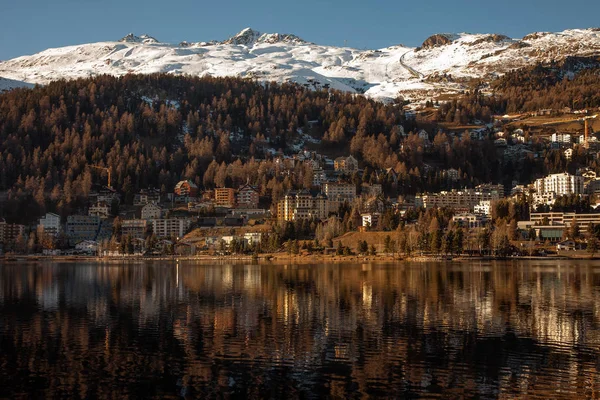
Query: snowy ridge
[131, 38]
[442, 64]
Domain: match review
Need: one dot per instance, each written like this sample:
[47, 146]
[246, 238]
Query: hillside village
[339, 198]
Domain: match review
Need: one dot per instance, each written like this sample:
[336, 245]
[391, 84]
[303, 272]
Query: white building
[253, 237]
[483, 208]
[561, 138]
[560, 184]
[370, 219]
[568, 153]
[89, 246]
[469, 220]
[152, 211]
[51, 224]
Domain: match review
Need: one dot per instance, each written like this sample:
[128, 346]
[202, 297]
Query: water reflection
[165, 330]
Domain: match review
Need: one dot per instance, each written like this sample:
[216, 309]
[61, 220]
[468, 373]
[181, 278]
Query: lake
[409, 330]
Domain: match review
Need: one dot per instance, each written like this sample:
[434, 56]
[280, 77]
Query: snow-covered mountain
[443, 63]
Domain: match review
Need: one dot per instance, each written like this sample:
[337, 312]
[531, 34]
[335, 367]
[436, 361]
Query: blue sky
[30, 26]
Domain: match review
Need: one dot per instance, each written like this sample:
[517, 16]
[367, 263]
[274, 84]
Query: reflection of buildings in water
[296, 315]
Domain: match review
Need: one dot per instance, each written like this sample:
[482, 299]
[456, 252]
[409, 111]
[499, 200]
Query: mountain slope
[442, 64]
[9, 84]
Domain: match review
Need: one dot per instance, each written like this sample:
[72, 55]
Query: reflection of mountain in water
[299, 331]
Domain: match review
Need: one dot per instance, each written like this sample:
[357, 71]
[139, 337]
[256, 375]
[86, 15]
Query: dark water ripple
[470, 330]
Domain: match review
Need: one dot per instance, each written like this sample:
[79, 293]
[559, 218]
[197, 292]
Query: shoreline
[275, 258]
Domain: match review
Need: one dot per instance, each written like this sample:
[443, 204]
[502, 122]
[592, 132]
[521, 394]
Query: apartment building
[10, 232]
[469, 220]
[171, 227]
[136, 228]
[340, 191]
[100, 209]
[146, 196]
[483, 208]
[561, 184]
[50, 223]
[151, 211]
[302, 205]
[247, 196]
[86, 227]
[460, 200]
[225, 197]
[346, 165]
[565, 219]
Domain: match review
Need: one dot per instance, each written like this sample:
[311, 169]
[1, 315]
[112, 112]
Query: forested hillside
[574, 82]
[153, 130]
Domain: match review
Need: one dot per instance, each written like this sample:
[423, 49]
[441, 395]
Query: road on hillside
[410, 69]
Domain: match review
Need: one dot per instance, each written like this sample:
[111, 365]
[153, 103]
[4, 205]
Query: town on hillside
[336, 212]
[161, 165]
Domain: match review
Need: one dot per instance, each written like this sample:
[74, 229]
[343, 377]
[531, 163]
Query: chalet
[186, 188]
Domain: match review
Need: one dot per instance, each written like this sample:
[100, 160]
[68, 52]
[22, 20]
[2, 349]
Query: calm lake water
[167, 330]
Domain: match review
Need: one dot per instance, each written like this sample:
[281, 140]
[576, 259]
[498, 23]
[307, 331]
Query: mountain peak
[249, 37]
[246, 37]
[145, 39]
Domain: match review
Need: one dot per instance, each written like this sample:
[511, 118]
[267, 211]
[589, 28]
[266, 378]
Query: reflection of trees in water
[340, 330]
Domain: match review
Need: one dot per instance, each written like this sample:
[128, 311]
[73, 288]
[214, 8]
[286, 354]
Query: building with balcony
[340, 191]
[247, 196]
[100, 209]
[135, 228]
[560, 184]
[302, 205]
[171, 227]
[225, 197]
